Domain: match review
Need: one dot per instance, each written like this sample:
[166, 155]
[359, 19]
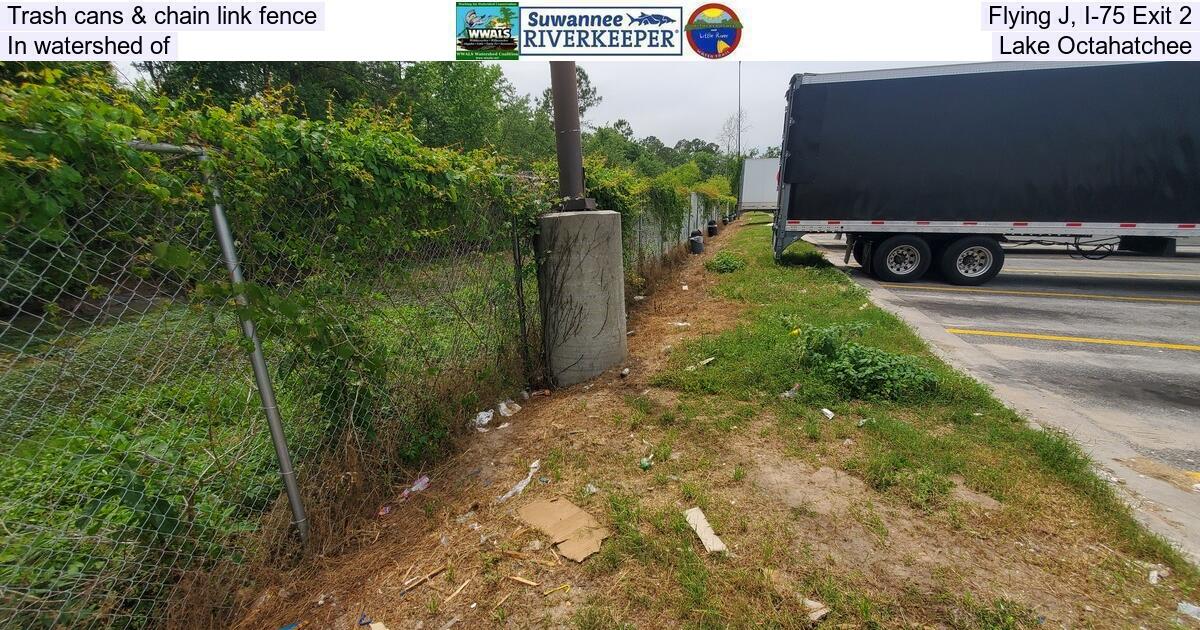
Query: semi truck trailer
[937, 167]
[760, 185]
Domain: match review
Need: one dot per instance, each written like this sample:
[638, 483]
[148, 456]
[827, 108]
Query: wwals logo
[487, 30]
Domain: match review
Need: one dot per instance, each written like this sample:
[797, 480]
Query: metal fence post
[519, 285]
[262, 377]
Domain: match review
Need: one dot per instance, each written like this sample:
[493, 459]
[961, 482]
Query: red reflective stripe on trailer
[1187, 225]
[877, 223]
[922, 223]
[970, 223]
[1020, 223]
[1074, 224]
[793, 222]
[1128, 225]
[834, 222]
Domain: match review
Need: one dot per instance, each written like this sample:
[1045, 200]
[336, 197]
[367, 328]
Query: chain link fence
[652, 243]
[135, 451]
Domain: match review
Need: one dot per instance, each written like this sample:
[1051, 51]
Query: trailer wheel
[901, 258]
[972, 260]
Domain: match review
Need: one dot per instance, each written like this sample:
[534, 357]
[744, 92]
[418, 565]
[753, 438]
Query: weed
[725, 262]
[862, 371]
[739, 472]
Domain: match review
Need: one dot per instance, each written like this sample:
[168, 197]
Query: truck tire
[857, 252]
[972, 260]
[901, 258]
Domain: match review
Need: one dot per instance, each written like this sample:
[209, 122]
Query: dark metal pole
[567, 140]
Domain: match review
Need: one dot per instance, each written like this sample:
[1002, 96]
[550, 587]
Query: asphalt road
[1108, 350]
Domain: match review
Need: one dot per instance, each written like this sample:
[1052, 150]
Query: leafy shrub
[862, 371]
[725, 262]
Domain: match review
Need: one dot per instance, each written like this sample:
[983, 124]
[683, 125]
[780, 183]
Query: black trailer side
[992, 150]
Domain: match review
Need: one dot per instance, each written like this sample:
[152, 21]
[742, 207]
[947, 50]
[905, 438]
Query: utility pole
[739, 112]
[564, 91]
[581, 280]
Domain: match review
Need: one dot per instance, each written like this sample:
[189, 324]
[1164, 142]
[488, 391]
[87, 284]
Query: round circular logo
[714, 30]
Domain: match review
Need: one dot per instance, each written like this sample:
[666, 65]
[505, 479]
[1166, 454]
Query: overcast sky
[677, 101]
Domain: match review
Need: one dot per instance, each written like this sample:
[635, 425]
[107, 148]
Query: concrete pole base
[581, 282]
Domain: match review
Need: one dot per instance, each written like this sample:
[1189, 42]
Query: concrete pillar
[581, 283]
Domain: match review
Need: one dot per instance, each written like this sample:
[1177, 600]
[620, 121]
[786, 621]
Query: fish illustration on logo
[655, 19]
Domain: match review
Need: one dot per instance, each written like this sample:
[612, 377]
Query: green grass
[928, 422]
[136, 448]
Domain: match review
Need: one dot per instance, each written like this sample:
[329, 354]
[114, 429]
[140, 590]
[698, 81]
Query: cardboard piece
[577, 534]
[712, 544]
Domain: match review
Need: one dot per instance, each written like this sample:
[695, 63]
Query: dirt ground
[800, 519]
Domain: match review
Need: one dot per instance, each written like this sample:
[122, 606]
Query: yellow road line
[1097, 340]
[1057, 294]
[1132, 274]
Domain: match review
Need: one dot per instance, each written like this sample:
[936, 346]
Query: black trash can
[696, 242]
[712, 227]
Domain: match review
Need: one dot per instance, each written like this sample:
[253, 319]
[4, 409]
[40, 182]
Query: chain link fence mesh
[134, 446]
[135, 459]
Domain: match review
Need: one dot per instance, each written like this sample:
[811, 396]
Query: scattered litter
[690, 368]
[685, 287]
[520, 487]
[508, 408]
[543, 480]
[863, 307]
[795, 332]
[542, 392]
[977, 414]
[624, 372]
[577, 533]
[638, 298]
[847, 442]
[791, 393]
[695, 518]
[523, 581]
[1154, 577]
[364, 620]
[708, 360]
[473, 527]
[383, 510]
[564, 587]
[321, 599]
[862, 423]
[675, 456]
[482, 429]
[682, 324]
[1189, 609]
[418, 485]
[524, 394]
[629, 333]
[816, 610]
[646, 462]
[1196, 487]
[291, 626]
[483, 418]
[534, 545]
[589, 490]
[450, 624]
[827, 413]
